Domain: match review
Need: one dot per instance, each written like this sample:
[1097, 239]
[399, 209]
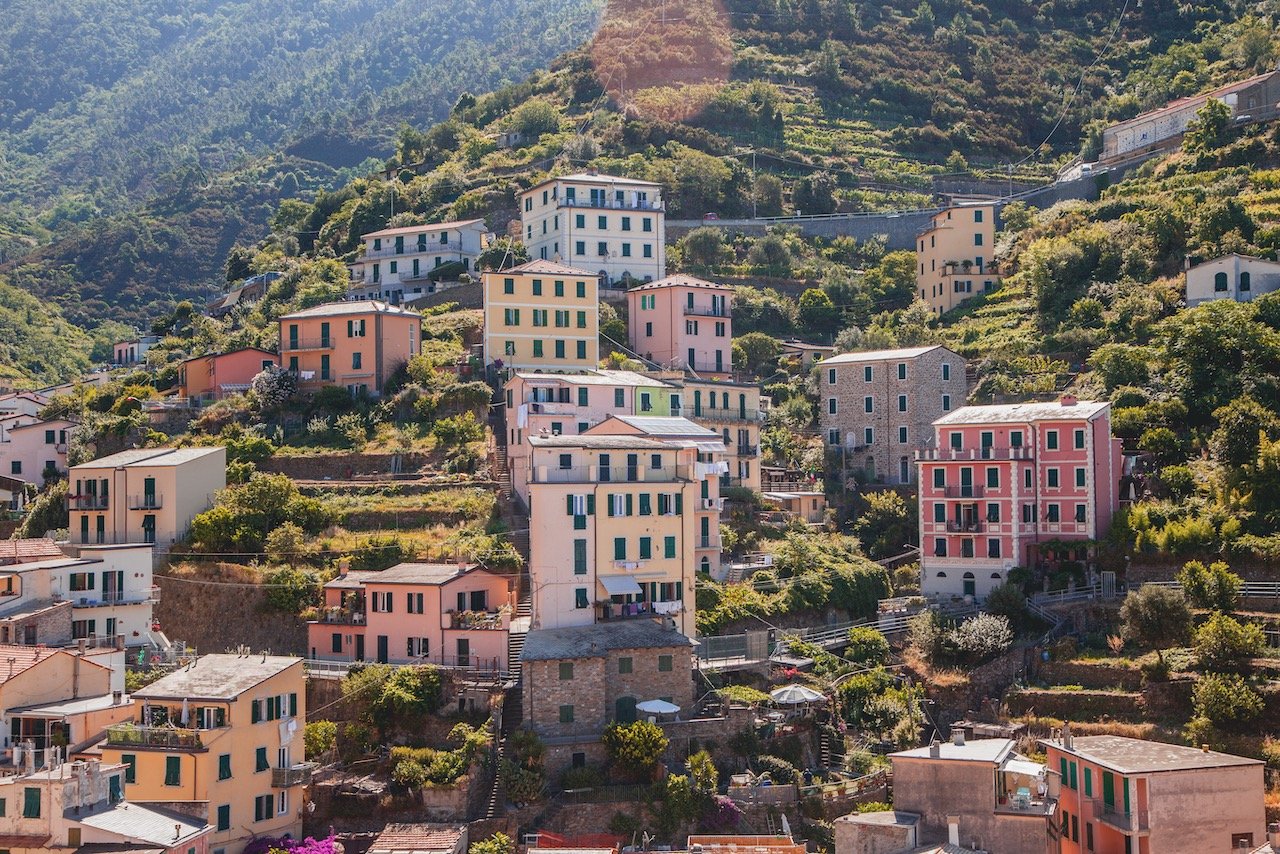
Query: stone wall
[1076, 705]
[51, 625]
[342, 466]
[215, 618]
[1089, 675]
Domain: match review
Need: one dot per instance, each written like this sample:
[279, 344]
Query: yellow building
[542, 316]
[954, 254]
[626, 505]
[144, 495]
[226, 730]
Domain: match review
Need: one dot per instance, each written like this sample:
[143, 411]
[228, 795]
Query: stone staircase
[824, 747]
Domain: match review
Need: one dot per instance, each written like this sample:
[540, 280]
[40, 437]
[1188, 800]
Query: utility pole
[753, 181]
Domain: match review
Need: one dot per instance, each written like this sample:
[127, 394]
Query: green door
[149, 492]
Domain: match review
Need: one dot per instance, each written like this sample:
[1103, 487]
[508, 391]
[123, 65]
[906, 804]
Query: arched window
[706, 564]
[1245, 283]
[1220, 282]
[942, 575]
[995, 576]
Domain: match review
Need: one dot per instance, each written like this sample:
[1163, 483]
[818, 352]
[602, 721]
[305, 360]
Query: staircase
[507, 723]
[824, 747]
[515, 646]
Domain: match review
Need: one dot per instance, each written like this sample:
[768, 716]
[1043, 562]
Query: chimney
[1066, 737]
[1068, 400]
[957, 738]
[1186, 262]
[953, 830]
[344, 566]
[1273, 834]
[1204, 748]
[117, 697]
[935, 750]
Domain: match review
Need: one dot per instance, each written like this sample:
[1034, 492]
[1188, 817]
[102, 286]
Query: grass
[392, 511]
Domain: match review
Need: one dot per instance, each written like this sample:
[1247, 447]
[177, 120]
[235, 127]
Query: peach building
[357, 345]
[134, 352]
[33, 450]
[224, 731]
[39, 676]
[683, 323]
[216, 375]
[146, 495]
[954, 255]
[403, 263]
[1131, 796]
[446, 614]
[615, 226]
[1002, 480]
[627, 506]
[542, 316]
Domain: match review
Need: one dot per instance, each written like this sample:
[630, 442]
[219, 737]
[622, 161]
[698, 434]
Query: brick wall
[52, 626]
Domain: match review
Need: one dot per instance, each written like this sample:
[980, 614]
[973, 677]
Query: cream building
[954, 256]
[144, 495]
[542, 316]
[615, 226]
[1236, 277]
[626, 505]
[225, 730]
[402, 263]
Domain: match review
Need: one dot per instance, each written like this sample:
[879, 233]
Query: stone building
[878, 407]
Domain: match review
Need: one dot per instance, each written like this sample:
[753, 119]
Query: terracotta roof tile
[27, 551]
[417, 837]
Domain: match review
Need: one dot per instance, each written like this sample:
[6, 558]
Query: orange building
[355, 344]
[216, 375]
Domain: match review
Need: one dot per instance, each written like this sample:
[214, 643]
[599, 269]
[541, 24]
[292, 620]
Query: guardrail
[1260, 589]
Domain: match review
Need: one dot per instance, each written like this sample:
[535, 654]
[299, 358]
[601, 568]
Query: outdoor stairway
[515, 646]
[824, 748]
[734, 575]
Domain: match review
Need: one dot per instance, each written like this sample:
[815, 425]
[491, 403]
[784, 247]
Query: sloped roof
[19, 659]
[606, 442]
[660, 425]
[1024, 413]
[217, 677]
[596, 640]
[1139, 756]
[28, 550]
[415, 229]
[146, 824]
[361, 306]
[881, 355]
[417, 837]
[990, 750]
[680, 280]
[551, 268]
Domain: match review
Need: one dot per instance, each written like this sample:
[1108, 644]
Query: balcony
[341, 617]
[87, 502]
[748, 450]
[610, 474]
[546, 407]
[638, 610]
[707, 543]
[611, 204]
[711, 503]
[146, 501]
[479, 620]
[707, 414]
[294, 775]
[970, 454]
[1125, 822]
[706, 311]
[113, 598]
[165, 737]
[968, 526]
[963, 491]
[321, 343]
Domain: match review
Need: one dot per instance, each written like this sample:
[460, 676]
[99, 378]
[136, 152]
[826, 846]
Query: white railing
[1260, 589]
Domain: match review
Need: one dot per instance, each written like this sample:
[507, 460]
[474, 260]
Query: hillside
[173, 129]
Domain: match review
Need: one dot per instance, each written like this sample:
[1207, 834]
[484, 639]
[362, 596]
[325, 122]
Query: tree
[1213, 588]
[502, 254]
[703, 775]
[498, 843]
[1235, 442]
[770, 255]
[887, 522]
[818, 315]
[815, 194]
[635, 748]
[1208, 130]
[319, 737]
[756, 352]
[47, 512]
[703, 247]
[534, 118]
[274, 386]
[1225, 698]
[243, 515]
[981, 637]
[1010, 602]
[766, 192]
[387, 697]
[866, 646]
[1155, 617]
[1224, 643]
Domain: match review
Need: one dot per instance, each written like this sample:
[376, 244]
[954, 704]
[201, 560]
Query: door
[633, 467]
[624, 710]
[149, 492]
[382, 649]
[464, 652]
[970, 585]
[359, 647]
[966, 483]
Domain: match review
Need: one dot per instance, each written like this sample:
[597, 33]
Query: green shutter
[260, 758]
[568, 504]
[669, 547]
[31, 802]
[1088, 782]
[630, 505]
[255, 713]
[679, 504]
[591, 505]
[224, 766]
[224, 817]
[131, 767]
[173, 770]
[1063, 769]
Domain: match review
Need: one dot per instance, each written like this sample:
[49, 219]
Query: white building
[1236, 277]
[603, 223]
[397, 263]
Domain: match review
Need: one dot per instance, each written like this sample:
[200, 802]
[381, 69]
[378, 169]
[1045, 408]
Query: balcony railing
[134, 735]
[112, 598]
[610, 204]
[707, 543]
[1125, 821]
[609, 474]
[146, 501]
[341, 617]
[965, 527]
[87, 502]
[321, 343]
[480, 620]
[1023, 453]
[294, 775]
[705, 311]
[748, 450]
[706, 413]
[963, 491]
[547, 407]
[633, 610]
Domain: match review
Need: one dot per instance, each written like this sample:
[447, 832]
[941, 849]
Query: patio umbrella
[794, 695]
[657, 707]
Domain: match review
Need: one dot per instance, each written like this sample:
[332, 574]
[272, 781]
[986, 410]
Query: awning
[620, 585]
[1022, 766]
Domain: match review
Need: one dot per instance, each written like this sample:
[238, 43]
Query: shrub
[926, 633]
[458, 430]
[499, 843]
[1155, 617]
[635, 748]
[867, 646]
[778, 769]
[403, 696]
[586, 777]
[703, 774]
[1225, 698]
[981, 637]
[290, 590]
[1223, 642]
[319, 737]
[1214, 587]
[409, 774]
[1010, 602]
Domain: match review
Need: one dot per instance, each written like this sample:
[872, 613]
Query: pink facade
[683, 323]
[216, 375]
[445, 614]
[1002, 484]
[28, 450]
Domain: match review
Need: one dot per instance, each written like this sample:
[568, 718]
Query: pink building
[447, 614]
[29, 448]
[683, 323]
[1008, 486]
[216, 375]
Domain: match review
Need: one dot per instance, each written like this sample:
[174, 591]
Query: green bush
[319, 737]
[499, 843]
[1214, 587]
[778, 769]
[635, 748]
[981, 637]
[409, 774]
[1224, 643]
[867, 646]
[1225, 698]
[1155, 617]
[586, 777]
[458, 430]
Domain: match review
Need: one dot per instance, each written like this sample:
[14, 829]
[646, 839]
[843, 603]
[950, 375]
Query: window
[977, 240]
[581, 289]
[31, 802]
[831, 406]
[508, 286]
[624, 664]
[902, 403]
[868, 404]
[566, 714]
[224, 766]
[993, 547]
[558, 288]
[668, 547]
[566, 671]
[15, 467]
[1054, 513]
[993, 478]
[173, 770]
[509, 348]
[1051, 440]
[946, 403]
[1080, 511]
[646, 224]
[580, 247]
[946, 372]
[664, 664]
[902, 370]
[1026, 478]
[939, 478]
[224, 817]
[1080, 475]
[1088, 782]
[619, 548]
[580, 598]
[831, 376]
[82, 581]
[648, 250]
[1028, 513]
[1051, 478]
[902, 435]
[50, 436]
[626, 250]
[940, 547]
[939, 512]
[602, 249]
[537, 347]
[356, 359]
[511, 316]
[1245, 283]
[977, 216]
[260, 760]
[993, 512]
[868, 435]
[263, 807]
[1220, 282]
[539, 316]
[866, 374]
[130, 763]
[1078, 440]
[559, 348]
[582, 320]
